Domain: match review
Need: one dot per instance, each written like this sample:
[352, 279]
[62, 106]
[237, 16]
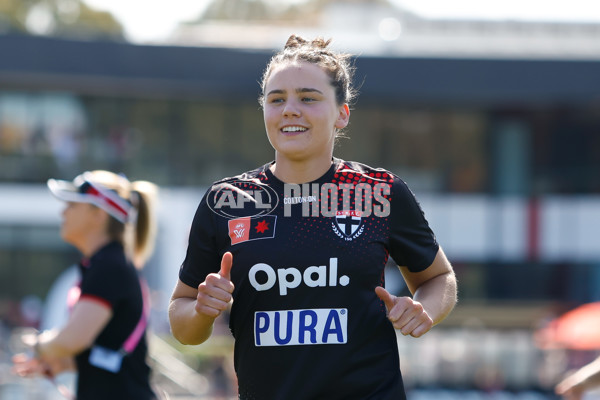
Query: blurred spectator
[111, 221]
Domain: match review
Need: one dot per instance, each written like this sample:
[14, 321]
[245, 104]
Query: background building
[495, 126]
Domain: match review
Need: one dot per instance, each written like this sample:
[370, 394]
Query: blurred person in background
[310, 316]
[112, 222]
[578, 383]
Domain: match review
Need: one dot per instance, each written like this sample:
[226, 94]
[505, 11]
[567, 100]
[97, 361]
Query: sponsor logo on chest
[264, 277]
[301, 327]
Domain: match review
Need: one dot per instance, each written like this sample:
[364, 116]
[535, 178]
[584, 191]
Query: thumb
[226, 263]
[385, 296]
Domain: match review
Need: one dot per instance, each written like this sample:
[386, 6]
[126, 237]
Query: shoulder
[380, 179]
[356, 172]
[254, 175]
[111, 254]
[111, 261]
[232, 196]
[108, 268]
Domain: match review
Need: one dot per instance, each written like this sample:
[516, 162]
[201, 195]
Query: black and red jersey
[306, 260]
[107, 277]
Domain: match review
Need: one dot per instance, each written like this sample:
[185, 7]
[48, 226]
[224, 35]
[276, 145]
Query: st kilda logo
[239, 198]
[348, 224]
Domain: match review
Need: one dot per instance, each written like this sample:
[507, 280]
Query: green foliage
[71, 19]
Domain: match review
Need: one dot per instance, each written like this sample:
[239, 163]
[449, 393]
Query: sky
[150, 21]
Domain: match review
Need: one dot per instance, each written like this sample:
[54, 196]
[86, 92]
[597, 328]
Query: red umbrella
[578, 329]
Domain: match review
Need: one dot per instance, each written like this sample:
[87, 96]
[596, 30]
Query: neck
[290, 171]
[92, 244]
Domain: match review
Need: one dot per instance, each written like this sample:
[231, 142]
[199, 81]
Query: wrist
[40, 346]
[36, 348]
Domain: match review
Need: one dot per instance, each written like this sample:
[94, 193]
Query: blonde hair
[138, 236]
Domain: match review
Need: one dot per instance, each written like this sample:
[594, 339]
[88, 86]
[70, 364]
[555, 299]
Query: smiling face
[301, 113]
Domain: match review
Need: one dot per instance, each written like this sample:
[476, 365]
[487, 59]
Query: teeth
[293, 129]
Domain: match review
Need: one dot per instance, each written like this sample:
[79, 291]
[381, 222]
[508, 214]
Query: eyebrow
[299, 90]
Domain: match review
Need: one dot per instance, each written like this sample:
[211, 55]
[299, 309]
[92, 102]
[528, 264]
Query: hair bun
[320, 43]
[295, 41]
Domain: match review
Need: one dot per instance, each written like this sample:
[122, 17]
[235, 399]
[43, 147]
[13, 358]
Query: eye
[275, 100]
[308, 99]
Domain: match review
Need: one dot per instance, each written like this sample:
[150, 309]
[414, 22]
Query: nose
[291, 109]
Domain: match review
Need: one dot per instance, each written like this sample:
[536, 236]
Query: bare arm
[435, 287]
[84, 325]
[187, 325]
[434, 296]
[192, 312]
[55, 349]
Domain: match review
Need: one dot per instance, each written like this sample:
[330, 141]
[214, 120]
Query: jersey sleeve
[106, 283]
[202, 257]
[412, 242]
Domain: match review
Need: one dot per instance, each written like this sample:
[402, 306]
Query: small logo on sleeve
[244, 229]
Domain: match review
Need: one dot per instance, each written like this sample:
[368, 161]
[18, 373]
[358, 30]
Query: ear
[343, 117]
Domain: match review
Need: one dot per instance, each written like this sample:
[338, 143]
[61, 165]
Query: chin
[66, 237]
[292, 146]
[297, 155]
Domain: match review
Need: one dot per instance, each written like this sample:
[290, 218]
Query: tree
[61, 18]
[271, 10]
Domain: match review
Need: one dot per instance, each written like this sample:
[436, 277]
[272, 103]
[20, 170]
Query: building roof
[383, 29]
[208, 73]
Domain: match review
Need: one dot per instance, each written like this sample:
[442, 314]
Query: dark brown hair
[316, 51]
